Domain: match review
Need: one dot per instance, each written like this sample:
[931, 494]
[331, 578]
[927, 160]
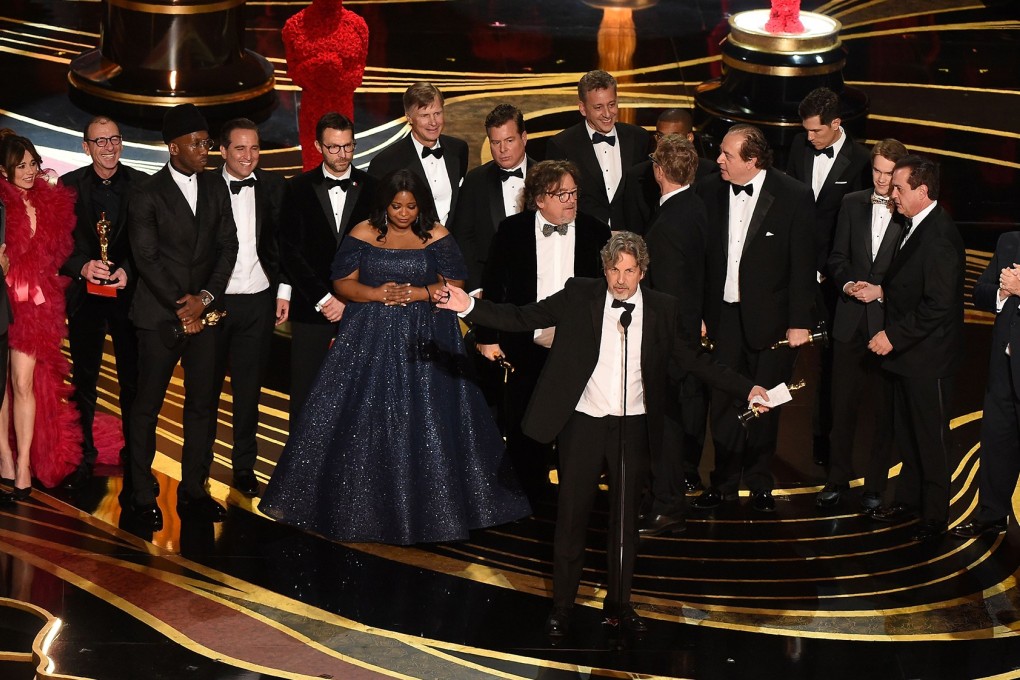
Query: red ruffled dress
[36, 293]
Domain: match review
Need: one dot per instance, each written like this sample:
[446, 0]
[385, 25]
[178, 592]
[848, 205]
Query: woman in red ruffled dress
[40, 219]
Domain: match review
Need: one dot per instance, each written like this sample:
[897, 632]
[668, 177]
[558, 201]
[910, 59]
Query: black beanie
[181, 120]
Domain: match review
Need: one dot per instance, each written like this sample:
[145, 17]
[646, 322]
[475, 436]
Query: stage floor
[800, 594]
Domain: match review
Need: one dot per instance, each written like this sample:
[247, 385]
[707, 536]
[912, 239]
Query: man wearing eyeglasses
[184, 244]
[102, 188]
[319, 208]
[531, 256]
[254, 299]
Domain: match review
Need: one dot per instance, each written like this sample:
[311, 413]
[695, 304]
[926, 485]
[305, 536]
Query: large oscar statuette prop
[105, 286]
[778, 395]
[820, 337]
[172, 332]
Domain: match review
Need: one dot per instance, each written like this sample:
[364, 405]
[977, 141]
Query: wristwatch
[206, 298]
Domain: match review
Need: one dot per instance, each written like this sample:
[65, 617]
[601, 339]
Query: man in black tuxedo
[184, 244]
[251, 299]
[998, 290]
[641, 191]
[531, 256]
[493, 191]
[760, 289]
[867, 236]
[580, 402]
[676, 243]
[439, 159]
[921, 345]
[602, 148]
[825, 158]
[319, 208]
[102, 188]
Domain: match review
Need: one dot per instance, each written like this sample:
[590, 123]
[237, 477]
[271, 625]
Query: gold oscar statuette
[754, 411]
[105, 286]
[172, 332]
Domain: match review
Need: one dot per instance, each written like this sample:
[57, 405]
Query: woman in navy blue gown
[395, 445]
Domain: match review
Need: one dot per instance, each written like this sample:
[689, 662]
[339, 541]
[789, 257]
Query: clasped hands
[189, 311]
[97, 271]
[1009, 281]
[862, 291]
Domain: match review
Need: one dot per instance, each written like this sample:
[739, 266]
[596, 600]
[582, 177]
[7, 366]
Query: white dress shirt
[823, 164]
[741, 210]
[188, 185]
[554, 260]
[248, 276]
[438, 178]
[881, 216]
[603, 395]
[609, 160]
[513, 190]
[337, 197]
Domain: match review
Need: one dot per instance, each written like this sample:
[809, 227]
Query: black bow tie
[435, 151]
[598, 138]
[333, 183]
[548, 229]
[237, 184]
[504, 175]
[908, 224]
[627, 306]
[827, 151]
[746, 188]
[879, 200]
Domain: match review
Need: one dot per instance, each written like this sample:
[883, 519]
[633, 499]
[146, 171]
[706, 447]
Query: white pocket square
[843, 182]
[769, 233]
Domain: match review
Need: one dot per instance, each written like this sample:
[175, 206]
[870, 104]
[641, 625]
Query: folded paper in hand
[778, 395]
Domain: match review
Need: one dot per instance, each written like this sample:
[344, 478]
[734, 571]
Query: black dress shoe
[627, 619]
[928, 531]
[147, 516]
[692, 485]
[762, 501]
[558, 622]
[653, 525]
[829, 495]
[245, 482]
[712, 498]
[77, 479]
[977, 528]
[6, 481]
[897, 512]
[203, 507]
[871, 501]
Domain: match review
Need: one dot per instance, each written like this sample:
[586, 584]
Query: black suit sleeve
[839, 263]
[514, 319]
[300, 272]
[940, 271]
[678, 265]
[143, 228]
[226, 241]
[986, 289]
[494, 279]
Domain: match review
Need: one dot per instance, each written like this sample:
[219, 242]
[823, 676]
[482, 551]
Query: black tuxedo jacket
[851, 260]
[86, 240]
[480, 210]
[777, 266]
[511, 273]
[1007, 322]
[851, 171]
[269, 189]
[309, 236]
[676, 247]
[574, 144]
[577, 313]
[177, 252]
[924, 300]
[641, 200]
[401, 155]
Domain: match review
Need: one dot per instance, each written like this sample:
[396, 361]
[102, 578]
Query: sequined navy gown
[394, 445]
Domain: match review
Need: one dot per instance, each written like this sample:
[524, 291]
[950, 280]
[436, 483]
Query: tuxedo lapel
[840, 163]
[761, 209]
[597, 308]
[322, 193]
[179, 208]
[495, 192]
[260, 209]
[887, 248]
[354, 190]
[453, 169]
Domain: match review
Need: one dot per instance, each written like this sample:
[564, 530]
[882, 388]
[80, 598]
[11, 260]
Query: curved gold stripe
[925, 86]
[946, 125]
[907, 15]
[980, 25]
[153, 100]
[153, 8]
[783, 71]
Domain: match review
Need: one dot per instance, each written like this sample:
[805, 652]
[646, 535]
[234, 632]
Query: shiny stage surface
[801, 594]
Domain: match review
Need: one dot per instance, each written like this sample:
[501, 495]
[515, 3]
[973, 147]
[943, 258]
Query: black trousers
[309, 343]
[585, 445]
[857, 377]
[741, 452]
[683, 439]
[155, 367]
[1000, 443]
[530, 458]
[825, 312]
[86, 334]
[242, 346]
[921, 423]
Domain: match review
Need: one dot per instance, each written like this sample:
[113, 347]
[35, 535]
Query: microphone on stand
[625, 319]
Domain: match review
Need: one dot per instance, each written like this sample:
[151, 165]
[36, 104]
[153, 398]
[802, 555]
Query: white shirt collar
[592, 130]
[666, 197]
[328, 175]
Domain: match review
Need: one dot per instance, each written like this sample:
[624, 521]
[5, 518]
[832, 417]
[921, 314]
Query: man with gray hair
[585, 399]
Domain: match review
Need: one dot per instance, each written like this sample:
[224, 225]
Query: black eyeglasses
[651, 157]
[564, 196]
[101, 142]
[337, 148]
